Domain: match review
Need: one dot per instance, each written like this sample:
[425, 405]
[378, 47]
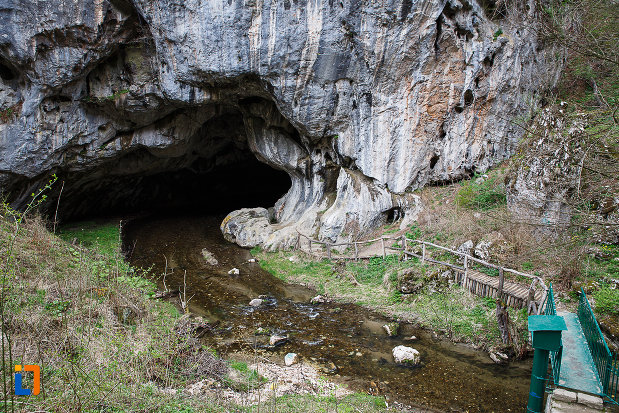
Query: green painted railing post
[546, 332]
[538, 380]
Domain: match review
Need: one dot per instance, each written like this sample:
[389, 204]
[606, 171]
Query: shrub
[481, 193]
[607, 300]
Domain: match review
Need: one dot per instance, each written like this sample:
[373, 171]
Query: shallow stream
[346, 340]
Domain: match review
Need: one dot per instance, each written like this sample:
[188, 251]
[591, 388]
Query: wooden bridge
[513, 292]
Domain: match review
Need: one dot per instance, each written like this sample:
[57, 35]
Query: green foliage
[373, 271]
[607, 300]
[414, 232]
[481, 194]
[246, 378]
[138, 283]
[115, 95]
[497, 34]
[464, 316]
[493, 272]
[352, 403]
[57, 307]
[527, 266]
[6, 115]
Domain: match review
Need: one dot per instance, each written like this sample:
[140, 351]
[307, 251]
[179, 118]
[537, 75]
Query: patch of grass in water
[105, 238]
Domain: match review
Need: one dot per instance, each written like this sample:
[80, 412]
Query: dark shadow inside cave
[213, 173]
[246, 184]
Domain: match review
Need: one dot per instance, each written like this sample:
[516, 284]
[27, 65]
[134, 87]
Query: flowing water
[347, 340]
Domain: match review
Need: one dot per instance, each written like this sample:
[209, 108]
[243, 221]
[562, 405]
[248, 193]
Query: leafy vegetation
[481, 193]
[607, 300]
[8, 114]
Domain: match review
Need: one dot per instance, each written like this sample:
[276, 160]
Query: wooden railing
[403, 248]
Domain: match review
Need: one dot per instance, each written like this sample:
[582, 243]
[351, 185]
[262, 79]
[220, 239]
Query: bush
[480, 193]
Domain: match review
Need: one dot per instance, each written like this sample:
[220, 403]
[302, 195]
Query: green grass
[606, 300]
[80, 313]
[482, 195]
[302, 403]
[104, 238]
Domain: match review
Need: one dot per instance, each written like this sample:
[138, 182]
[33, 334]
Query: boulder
[466, 247]
[291, 358]
[406, 355]
[482, 250]
[492, 245]
[319, 299]
[248, 227]
[209, 257]
[277, 340]
[234, 271]
[410, 280]
[256, 302]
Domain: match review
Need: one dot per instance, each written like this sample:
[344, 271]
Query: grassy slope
[86, 318]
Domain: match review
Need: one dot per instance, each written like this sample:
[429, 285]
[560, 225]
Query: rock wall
[359, 101]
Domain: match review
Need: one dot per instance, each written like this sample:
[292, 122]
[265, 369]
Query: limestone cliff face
[359, 101]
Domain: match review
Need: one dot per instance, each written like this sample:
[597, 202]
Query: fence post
[382, 240]
[404, 247]
[531, 297]
[310, 246]
[298, 243]
[328, 245]
[356, 252]
[423, 251]
[501, 282]
[466, 269]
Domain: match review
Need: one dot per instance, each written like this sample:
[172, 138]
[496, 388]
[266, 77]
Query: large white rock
[291, 358]
[247, 227]
[256, 302]
[406, 355]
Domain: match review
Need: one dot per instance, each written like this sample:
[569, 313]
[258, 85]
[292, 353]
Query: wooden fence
[512, 293]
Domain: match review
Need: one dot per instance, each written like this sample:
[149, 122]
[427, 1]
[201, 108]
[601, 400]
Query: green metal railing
[606, 365]
[613, 380]
[555, 356]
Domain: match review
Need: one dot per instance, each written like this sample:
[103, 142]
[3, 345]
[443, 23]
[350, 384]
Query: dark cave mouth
[246, 184]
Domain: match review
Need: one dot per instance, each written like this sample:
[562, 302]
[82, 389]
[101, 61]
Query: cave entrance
[212, 173]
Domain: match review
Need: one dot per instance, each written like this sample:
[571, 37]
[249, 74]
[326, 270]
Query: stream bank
[347, 341]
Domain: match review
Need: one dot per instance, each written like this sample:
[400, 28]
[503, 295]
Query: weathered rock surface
[209, 257]
[540, 184]
[277, 340]
[414, 280]
[406, 355]
[256, 302]
[247, 227]
[291, 358]
[358, 102]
